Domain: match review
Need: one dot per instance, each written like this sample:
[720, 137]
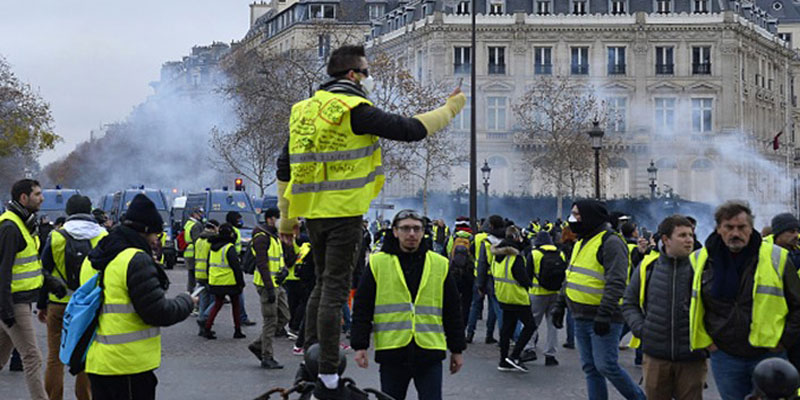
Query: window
[663, 6]
[543, 7]
[462, 120]
[617, 7]
[616, 61]
[542, 60]
[580, 61]
[462, 60]
[495, 8]
[323, 46]
[320, 11]
[701, 60]
[665, 114]
[699, 6]
[579, 7]
[420, 60]
[497, 60]
[616, 114]
[375, 11]
[462, 8]
[665, 63]
[496, 113]
[701, 114]
[786, 37]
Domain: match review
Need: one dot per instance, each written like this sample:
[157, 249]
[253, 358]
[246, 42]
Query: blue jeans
[204, 304]
[599, 361]
[427, 380]
[733, 375]
[570, 328]
[477, 309]
[346, 317]
[243, 312]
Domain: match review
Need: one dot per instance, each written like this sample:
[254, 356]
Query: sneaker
[271, 364]
[247, 322]
[470, 336]
[291, 335]
[239, 335]
[569, 345]
[280, 333]
[322, 392]
[517, 364]
[297, 351]
[344, 346]
[255, 350]
[505, 367]
[490, 340]
[550, 361]
[210, 335]
[194, 313]
[528, 355]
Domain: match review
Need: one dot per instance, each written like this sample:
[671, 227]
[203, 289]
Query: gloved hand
[281, 276]
[601, 328]
[9, 321]
[558, 317]
[271, 297]
[59, 291]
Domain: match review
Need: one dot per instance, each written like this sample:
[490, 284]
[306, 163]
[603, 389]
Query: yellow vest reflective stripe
[585, 275]
[647, 261]
[396, 320]
[187, 236]
[536, 255]
[274, 261]
[58, 247]
[202, 249]
[26, 274]
[220, 272]
[334, 172]
[506, 288]
[769, 304]
[297, 250]
[163, 238]
[124, 344]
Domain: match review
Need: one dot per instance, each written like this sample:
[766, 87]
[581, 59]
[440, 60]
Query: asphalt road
[195, 368]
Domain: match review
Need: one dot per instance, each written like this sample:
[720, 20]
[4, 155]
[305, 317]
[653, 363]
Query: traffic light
[239, 184]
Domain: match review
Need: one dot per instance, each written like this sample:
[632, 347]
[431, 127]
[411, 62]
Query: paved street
[195, 368]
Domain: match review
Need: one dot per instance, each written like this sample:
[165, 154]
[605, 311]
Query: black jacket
[261, 245]
[728, 321]
[218, 242]
[664, 325]
[364, 307]
[519, 271]
[147, 282]
[364, 120]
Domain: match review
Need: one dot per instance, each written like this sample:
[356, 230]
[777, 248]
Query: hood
[217, 242]
[270, 230]
[542, 238]
[594, 214]
[496, 234]
[506, 248]
[83, 227]
[119, 239]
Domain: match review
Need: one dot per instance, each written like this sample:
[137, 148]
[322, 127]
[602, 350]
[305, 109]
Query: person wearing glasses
[411, 336]
[328, 173]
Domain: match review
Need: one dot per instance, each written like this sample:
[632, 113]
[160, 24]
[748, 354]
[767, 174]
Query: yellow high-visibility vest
[58, 247]
[26, 273]
[506, 288]
[124, 344]
[647, 261]
[479, 239]
[202, 250]
[536, 256]
[187, 236]
[274, 261]
[334, 172]
[769, 304]
[396, 319]
[585, 275]
[220, 272]
[305, 247]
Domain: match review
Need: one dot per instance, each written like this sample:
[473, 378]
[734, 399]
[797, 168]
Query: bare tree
[554, 115]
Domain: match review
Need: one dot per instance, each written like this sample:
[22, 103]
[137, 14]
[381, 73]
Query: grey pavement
[195, 368]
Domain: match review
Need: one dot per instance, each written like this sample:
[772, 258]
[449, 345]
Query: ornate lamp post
[597, 143]
[652, 173]
[486, 170]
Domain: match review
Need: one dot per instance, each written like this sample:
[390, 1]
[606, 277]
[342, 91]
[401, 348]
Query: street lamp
[486, 170]
[597, 143]
[652, 173]
[473, 134]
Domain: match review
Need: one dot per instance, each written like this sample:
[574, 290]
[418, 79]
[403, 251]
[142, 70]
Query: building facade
[701, 88]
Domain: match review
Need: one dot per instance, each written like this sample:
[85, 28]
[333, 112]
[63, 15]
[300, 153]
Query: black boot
[238, 334]
[209, 334]
[470, 336]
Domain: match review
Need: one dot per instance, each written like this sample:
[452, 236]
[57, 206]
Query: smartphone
[460, 81]
[647, 234]
[198, 290]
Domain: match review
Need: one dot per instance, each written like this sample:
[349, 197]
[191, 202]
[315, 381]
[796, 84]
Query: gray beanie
[784, 222]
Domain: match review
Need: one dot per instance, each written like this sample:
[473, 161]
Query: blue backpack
[80, 323]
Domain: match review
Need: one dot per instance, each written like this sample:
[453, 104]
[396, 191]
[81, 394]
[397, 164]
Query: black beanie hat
[142, 215]
[784, 222]
[78, 204]
[272, 212]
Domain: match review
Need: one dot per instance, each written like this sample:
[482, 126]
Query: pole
[473, 137]
[486, 204]
[597, 173]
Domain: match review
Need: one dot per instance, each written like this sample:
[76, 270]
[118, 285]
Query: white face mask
[368, 84]
[572, 218]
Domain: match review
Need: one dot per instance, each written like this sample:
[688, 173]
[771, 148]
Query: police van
[218, 203]
[120, 201]
[55, 202]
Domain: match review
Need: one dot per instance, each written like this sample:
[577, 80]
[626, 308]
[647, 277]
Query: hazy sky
[93, 60]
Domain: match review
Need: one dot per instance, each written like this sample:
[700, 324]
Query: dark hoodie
[508, 248]
[727, 293]
[261, 244]
[217, 243]
[364, 308]
[147, 283]
[613, 256]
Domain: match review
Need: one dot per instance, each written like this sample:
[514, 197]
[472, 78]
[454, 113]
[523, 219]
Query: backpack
[552, 270]
[249, 256]
[461, 260]
[80, 323]
[182, 241]
[75, 251]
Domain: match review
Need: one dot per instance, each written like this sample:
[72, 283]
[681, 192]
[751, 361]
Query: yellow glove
[438, 119]
[285, 224]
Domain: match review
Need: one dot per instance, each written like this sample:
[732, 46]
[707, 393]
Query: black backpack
[75, 251]
[248, 258]
[552, 270]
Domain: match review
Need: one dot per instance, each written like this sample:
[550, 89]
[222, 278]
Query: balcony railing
[616, 69]
[701, 69]
[580, 69]
[497, 69]
[665, 69]
[543, 69]
[462, 68]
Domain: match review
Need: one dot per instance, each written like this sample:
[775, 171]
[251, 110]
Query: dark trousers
[295, 295]
[219, 301]
[395, 379]
[336, 242]
[124, 387]
[510, 318]
[465, 287]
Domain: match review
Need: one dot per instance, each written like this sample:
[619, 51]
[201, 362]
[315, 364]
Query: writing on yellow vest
[26, 273]
[334, 172]
[396, 319]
